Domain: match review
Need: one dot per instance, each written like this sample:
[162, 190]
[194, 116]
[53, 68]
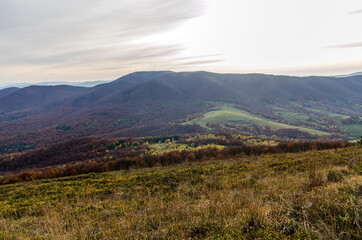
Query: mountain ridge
[153, 101]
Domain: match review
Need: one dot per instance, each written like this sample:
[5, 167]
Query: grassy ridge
[228, 114]
[282, 196]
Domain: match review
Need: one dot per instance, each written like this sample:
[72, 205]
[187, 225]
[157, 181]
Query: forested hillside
[169, 103]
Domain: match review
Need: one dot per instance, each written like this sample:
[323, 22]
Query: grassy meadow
[355, 129]
[310, 195]
[230, 114]
[311, 120]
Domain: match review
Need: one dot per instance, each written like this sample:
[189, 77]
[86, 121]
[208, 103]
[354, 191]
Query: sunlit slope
[230, 114]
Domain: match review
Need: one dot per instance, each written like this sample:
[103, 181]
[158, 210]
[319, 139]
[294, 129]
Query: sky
[85, 40]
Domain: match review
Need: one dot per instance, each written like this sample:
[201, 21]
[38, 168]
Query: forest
[88, 155]
[168, 103]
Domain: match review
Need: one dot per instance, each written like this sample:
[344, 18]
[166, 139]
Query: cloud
[55, 34]
[348, 45]
[356, 12]
[336, 68]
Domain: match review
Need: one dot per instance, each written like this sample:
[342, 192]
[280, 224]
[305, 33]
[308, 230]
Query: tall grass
[278, 196]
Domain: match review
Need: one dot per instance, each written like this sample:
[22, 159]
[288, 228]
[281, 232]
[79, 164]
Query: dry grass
[283, 196]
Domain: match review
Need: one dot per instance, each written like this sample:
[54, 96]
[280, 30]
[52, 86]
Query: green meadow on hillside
[315, 194]
[355, 129]
[228, 114]
[319, 122]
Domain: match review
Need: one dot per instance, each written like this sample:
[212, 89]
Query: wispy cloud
[347, 45]
[55, 34]
[356, 12]
[336, 68]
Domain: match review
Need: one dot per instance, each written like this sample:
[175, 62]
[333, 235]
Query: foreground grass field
[307, 195]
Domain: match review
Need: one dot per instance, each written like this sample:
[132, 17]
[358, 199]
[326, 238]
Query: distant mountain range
[166, 103]
[77, 84]
[95, 83]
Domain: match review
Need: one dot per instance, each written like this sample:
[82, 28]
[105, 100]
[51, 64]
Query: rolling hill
[164, 102]
[22, 99]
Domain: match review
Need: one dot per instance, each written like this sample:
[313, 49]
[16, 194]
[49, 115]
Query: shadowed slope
[35, 96]
[142, 102]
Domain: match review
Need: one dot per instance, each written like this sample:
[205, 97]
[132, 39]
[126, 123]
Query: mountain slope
[101, 91]
[6, 91]
[148, 103]
[35, 96]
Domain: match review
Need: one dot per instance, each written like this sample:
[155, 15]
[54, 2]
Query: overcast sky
[83, 40]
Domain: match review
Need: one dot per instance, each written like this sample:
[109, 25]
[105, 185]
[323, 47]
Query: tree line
[166, 159]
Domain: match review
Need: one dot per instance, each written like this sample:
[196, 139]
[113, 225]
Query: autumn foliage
[147, 160]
